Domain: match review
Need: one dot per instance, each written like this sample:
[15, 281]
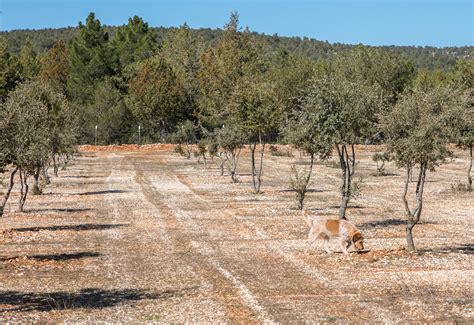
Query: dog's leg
[344, 245]
[326, 245]
[311, 240]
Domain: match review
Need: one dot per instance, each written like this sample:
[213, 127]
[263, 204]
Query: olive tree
[25, 140]
[343, 112]
[253, 110]
[417, 135]
[186, 135]
[304, 133]
[463, 119]
[231, 139]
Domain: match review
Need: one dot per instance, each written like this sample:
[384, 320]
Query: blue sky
[374, 22]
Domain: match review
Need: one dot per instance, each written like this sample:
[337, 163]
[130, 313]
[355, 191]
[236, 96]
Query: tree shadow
[311, 190]
[62, 210]
[389, 222]
[80, 176]
[387, 174]
[463, 249]
[90, 298]
[100, 192]
[81, 227]
[349, 206]
[53, 257]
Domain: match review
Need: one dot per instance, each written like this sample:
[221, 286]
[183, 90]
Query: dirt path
[151, 237]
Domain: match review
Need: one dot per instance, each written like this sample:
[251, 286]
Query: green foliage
[274, 151]
[222, 68]
[374, 67]
[91, 59]
[300, 183]
[186, 136]
[461, 188]
[134, 42]
[462, 118]
[417, 129]
[428, 57]
[251, 106]
[156, 97]
[181, 50]
[231, 138]
[9, 70]
[417, 133]
[24, 125]
[381, 159]
[29, 62]
[109, 112]
[342, 111]
[186, 132]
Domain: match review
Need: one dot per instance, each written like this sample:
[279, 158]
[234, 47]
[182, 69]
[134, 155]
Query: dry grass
[140, 234]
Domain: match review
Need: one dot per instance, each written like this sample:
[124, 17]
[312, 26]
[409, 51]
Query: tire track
[229, 291]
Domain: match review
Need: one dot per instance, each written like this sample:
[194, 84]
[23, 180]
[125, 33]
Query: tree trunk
[234, 160]
[36, 190]
[469, 168]
[23, 189]
[7, 193]
[47, 180]
[222, 163]
[347, 164]
[405, 190]
[257, 174]
[414, 216]
[55, 166]
[409, 237]
[311, 163]
[253, 147]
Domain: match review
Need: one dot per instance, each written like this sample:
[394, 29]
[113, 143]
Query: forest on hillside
[423, 57]
[180, 84]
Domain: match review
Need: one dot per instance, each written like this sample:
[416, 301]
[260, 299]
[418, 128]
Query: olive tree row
[37, 127]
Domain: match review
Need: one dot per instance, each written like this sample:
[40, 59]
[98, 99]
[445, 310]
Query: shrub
[299, 183]
[274, 151]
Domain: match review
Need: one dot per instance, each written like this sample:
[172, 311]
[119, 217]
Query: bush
[299, 183]
[460, 188]
[380, 159]
[357, 186]
[179, 150]
[274, 151]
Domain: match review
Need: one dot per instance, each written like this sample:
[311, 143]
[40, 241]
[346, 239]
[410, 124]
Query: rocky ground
[141, 234]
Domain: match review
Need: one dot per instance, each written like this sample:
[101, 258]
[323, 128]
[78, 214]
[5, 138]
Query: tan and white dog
[345, 231]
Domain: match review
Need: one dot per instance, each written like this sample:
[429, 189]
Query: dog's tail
[308, 218]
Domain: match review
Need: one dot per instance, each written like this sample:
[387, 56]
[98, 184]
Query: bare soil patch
[141, 234]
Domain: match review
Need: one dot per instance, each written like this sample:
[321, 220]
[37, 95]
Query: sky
[373, 22]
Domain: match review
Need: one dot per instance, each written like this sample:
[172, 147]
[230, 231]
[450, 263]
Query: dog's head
[358, 241]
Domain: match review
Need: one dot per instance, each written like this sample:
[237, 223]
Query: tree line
[225, 92]
[423, 57]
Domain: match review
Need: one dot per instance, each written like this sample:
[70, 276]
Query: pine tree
[91, 59]
[134, 42]
[9, 70]
[29, 61]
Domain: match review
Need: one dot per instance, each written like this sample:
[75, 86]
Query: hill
[426, 57]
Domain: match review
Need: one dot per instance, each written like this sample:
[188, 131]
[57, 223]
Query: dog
[347, 233]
